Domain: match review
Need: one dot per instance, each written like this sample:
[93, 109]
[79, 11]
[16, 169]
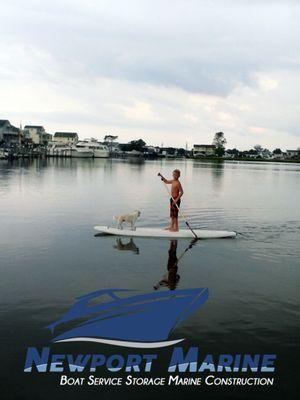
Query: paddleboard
[161, 233]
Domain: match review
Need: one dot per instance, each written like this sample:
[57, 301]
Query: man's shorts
[174, 209]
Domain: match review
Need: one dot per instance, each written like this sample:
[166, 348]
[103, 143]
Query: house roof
[65, 134]
[10, 128]
[3, 121]
[34, 126]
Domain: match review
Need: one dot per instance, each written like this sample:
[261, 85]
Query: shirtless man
[176, 193]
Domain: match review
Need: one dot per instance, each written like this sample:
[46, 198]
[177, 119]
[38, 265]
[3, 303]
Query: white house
[228, 155]
[34, 133]
[66, 137]
[204, 150]
[278, 156]
[292, 153]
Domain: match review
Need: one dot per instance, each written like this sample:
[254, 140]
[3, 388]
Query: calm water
[49, 256]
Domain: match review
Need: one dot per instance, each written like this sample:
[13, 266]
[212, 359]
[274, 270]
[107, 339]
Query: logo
[123, 317]
[119, 317]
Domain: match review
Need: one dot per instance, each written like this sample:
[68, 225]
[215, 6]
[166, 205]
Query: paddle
[183, 216]
[193, 241]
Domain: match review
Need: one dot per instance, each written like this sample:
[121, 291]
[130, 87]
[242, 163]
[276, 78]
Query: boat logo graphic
[123, 318]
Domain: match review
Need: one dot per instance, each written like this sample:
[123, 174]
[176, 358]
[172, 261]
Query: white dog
[130, 218]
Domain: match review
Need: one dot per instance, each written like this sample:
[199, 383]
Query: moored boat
[98, 149]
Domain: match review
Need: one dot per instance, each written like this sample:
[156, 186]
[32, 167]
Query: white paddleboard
[161, 233]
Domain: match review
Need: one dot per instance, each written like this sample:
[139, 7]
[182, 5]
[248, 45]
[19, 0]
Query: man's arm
[180, 191]
[180, 194]
[167, 181]
[164, 179]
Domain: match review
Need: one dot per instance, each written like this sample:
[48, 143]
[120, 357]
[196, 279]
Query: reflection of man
[171, 278]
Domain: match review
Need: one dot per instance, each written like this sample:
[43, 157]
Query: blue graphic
[139, 320]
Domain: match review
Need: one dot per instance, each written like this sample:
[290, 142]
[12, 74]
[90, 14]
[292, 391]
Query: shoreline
[204, 159]
[248, 159]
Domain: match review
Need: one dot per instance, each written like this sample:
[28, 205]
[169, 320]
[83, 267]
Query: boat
[98, 149]
[56, 149]
[162, 233]
[80, 150]
[138, 320]
[133, 154]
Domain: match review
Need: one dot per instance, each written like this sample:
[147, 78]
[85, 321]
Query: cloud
[145, 68]
[196, 46]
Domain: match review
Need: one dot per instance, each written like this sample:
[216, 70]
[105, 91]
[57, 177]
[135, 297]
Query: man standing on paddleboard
[176, 194]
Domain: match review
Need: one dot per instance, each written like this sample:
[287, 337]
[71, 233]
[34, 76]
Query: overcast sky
[169, 72]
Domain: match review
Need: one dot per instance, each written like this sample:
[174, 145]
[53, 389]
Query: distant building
[9, 134]
[228, 155]
[293, 153]
[279, 156]
[66, 137]
[204, 150]
[34, 133]
[168, 152]
[265, 153]
[46, 138]
[151, 151]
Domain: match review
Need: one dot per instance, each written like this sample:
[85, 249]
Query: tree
[234, 151]
[110, 138]
[181, 152]
[137, 145]
[277, 151]
[258, 148]
[219, 142]
[253, 152]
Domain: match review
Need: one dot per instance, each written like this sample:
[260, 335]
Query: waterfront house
[150, 152]
[66, 137]
[228, 155]
[278, 156]
[204, 150]
[168, 152]
[293, 153]
[34, 133]
[9, 134]
[46, 138]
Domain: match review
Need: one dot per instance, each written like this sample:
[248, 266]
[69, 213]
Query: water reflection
[218, 171]
[213, 169]
[129, 246]
[171, 278]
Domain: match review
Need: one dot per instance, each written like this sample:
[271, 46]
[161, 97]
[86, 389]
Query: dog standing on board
[129, 218]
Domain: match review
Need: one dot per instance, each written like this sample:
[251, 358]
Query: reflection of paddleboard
[161, 233]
